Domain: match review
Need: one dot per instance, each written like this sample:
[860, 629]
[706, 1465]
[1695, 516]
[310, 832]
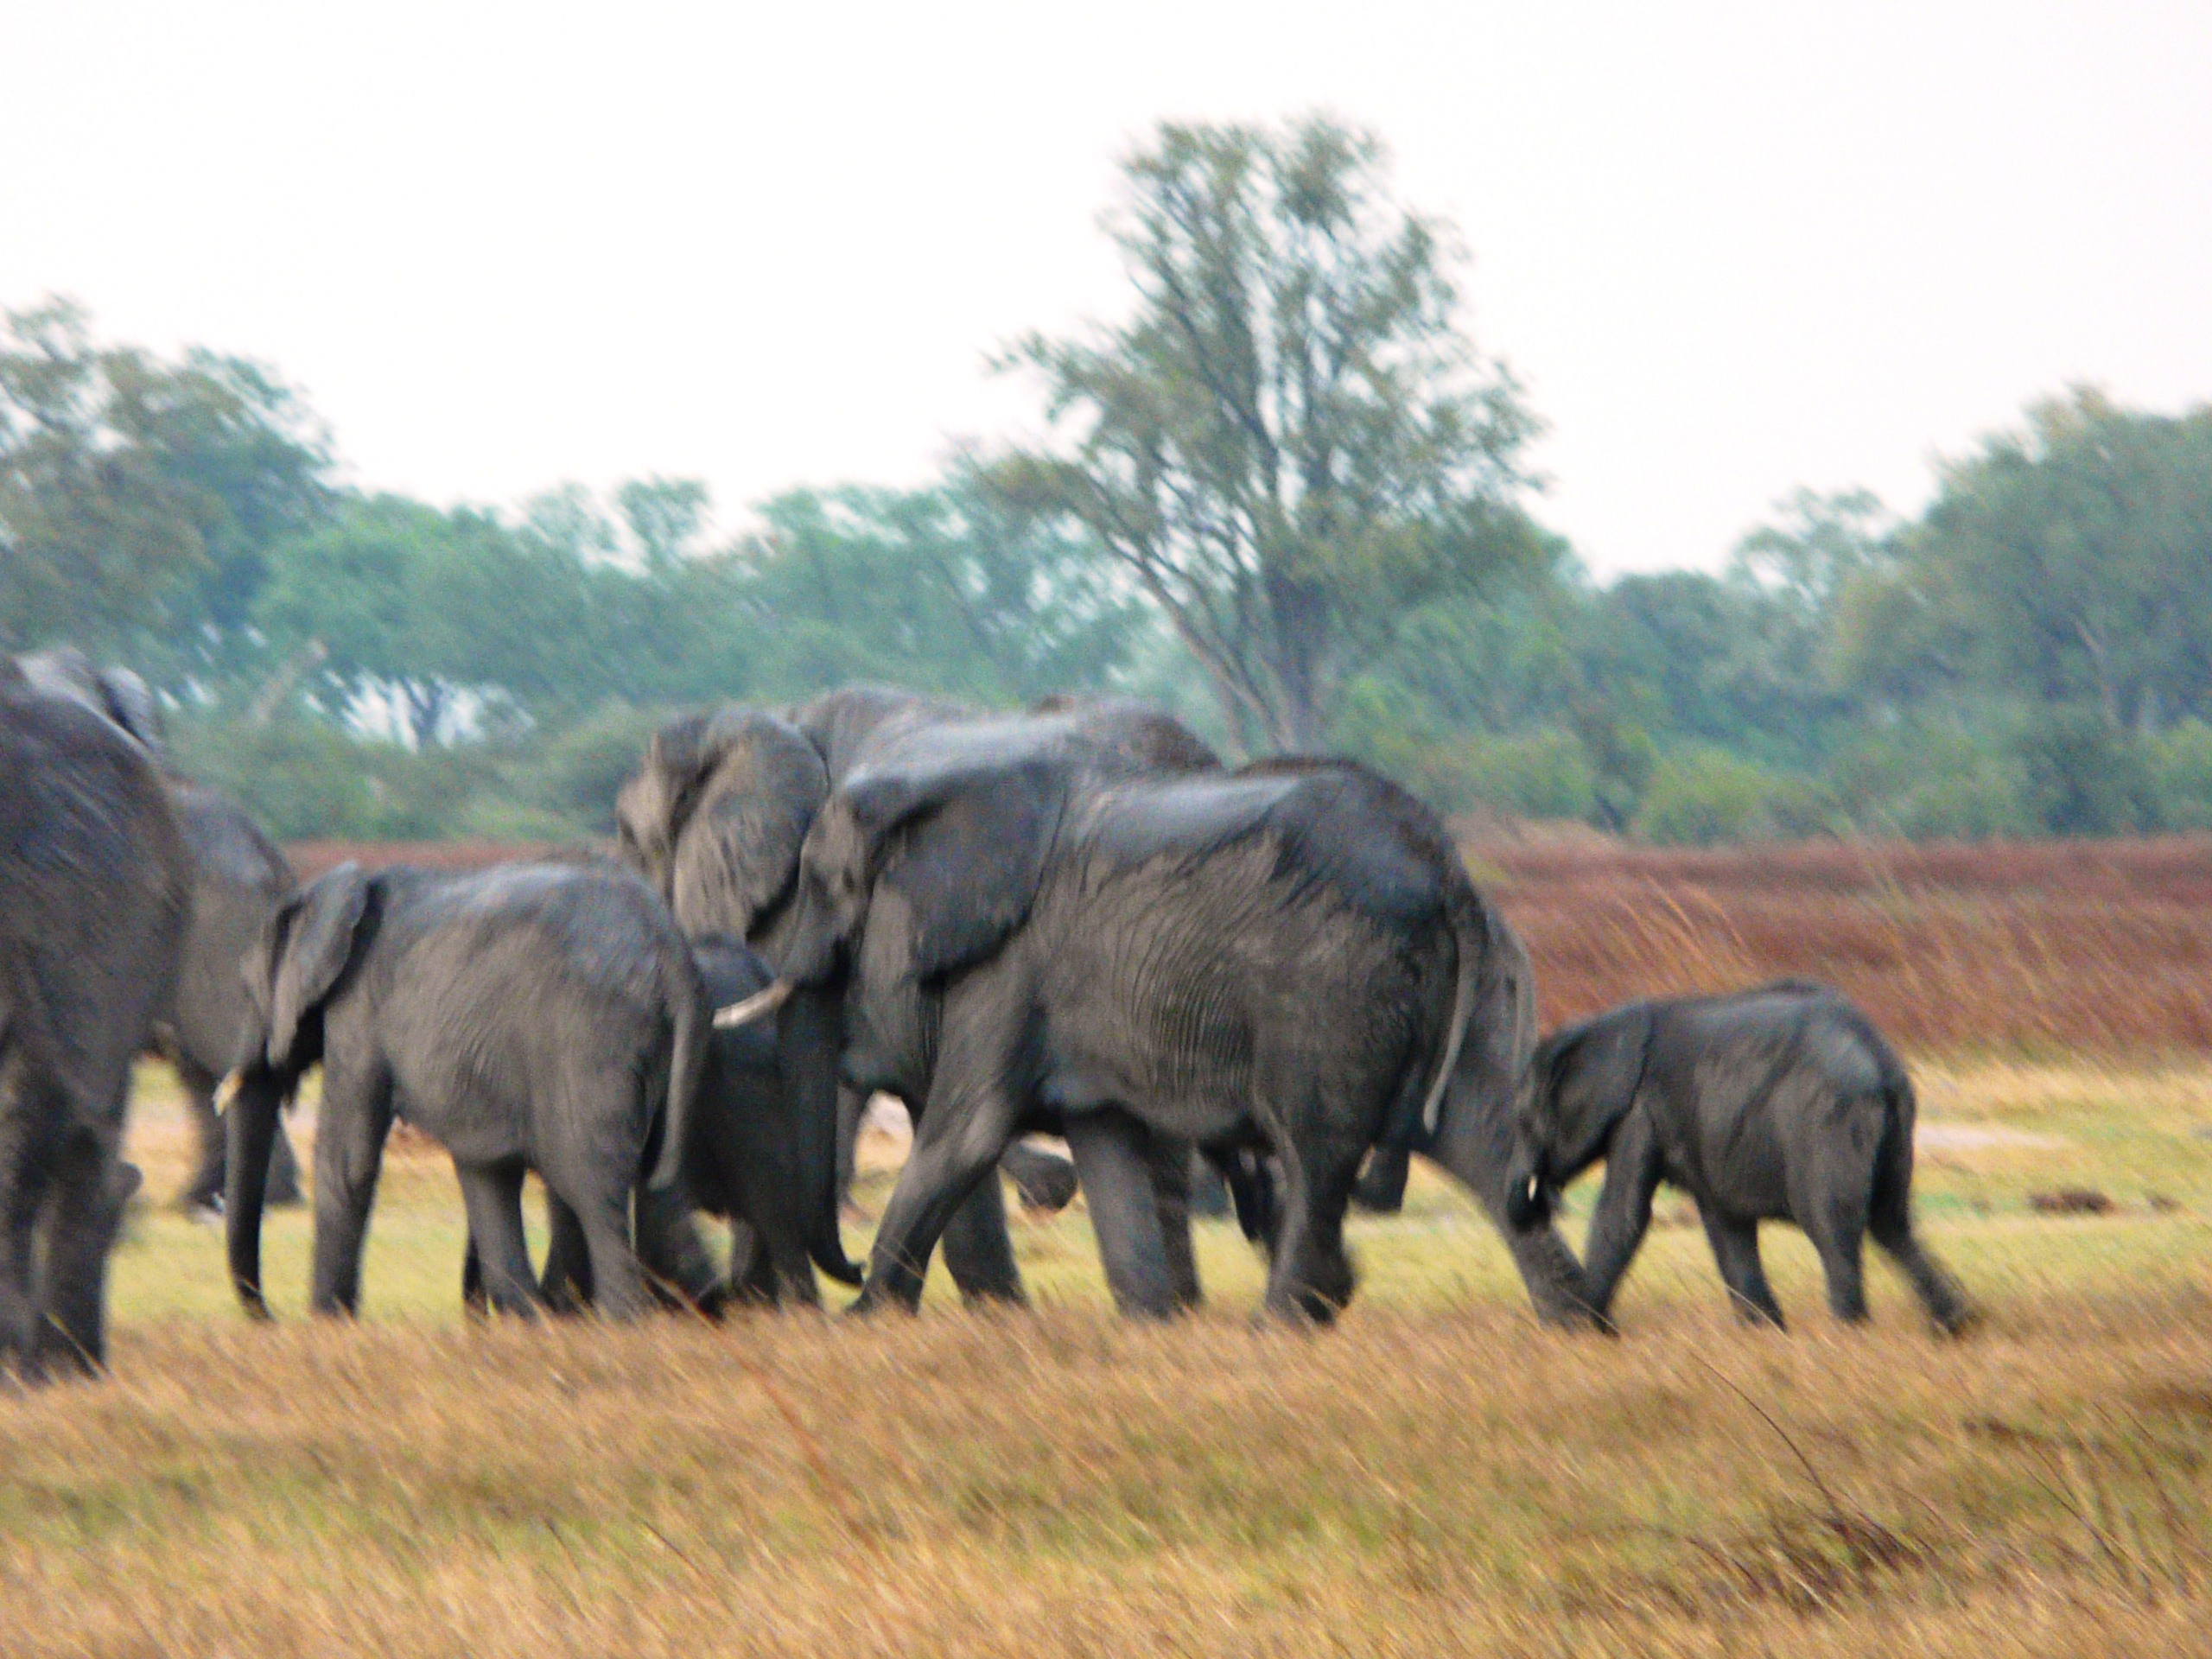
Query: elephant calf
[1780, 1103]
[528, 1016]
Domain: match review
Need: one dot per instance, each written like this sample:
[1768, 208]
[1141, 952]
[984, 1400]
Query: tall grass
[2101, 947]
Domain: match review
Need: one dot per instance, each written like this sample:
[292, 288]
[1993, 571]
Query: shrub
[1932, 780]
[1701, 796]
[2180, 763]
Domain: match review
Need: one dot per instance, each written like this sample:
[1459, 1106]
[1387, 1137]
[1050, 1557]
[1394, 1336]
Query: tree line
[1285, 495]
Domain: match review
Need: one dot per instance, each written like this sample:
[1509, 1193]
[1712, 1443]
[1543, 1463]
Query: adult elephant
[715, 816]
[93, 878]
[238, 881]
[1289, 958]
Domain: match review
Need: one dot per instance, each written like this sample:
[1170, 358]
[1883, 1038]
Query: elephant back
[849, 726]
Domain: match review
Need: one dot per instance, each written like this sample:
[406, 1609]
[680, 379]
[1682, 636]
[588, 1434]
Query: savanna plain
[1435, 1475]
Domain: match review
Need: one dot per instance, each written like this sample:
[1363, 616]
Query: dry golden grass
[1437, 1475]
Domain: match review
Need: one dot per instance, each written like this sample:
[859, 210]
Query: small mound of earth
[1971, 1137]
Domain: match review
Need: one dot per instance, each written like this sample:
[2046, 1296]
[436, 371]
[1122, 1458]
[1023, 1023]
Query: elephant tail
[687, 1069]
[1471, 942]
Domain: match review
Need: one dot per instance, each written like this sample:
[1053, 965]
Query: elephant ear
[965, 848]
[1593, 1074]
[755, 783]
[318, 942]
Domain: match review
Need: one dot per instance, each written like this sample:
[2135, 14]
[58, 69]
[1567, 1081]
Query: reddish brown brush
[2077, 945]
[2097, 945]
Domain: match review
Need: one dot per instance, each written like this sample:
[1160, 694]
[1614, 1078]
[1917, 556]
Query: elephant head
[952, 843]
[289, 974]
[1580, 1084]
[302, 953]
[716, 813]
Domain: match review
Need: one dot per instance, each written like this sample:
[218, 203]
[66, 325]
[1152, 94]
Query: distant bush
[1929, 780]
[1701, 796]
[2179, 760]
[2085, 777]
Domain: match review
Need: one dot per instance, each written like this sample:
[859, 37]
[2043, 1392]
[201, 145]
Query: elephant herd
[1074, 921]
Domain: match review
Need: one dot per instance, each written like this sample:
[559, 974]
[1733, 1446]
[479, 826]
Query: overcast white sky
[1731, 248]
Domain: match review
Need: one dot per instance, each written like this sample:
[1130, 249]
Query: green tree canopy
[1290, 445]
[2068, 562]
[137, 496]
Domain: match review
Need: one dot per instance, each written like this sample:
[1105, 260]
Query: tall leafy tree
[1290, 445]
[2069, 562]
[138, 496]
[949, 588]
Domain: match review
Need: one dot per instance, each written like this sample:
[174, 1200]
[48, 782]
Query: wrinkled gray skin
[739, 1165]
[715, 816]
[528, 1016]
[1782, 1103]
[93, 893]
[238, 879]
[1288, 959]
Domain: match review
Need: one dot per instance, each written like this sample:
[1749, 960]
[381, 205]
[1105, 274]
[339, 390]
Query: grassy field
[1436, 1476]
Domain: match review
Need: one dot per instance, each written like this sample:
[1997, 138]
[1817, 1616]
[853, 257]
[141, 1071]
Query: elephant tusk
[759, 1005]
[1536, 1189]
[227, 1089]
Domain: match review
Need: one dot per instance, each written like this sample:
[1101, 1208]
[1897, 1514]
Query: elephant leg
[1169, 1159]
[1891, 1224]
[1208, 1192]
[473, 1304]
[978, 1249]
[1113, 1163]
[492, 1193]
[1042, 1181]
[22, 1193]
[565, 1285]
[618, 1279]
[958, 1139]
[1836, 1223]
[284, 1189]
[753, 1277]
[1623, 1215]
[852, 1110]
[1736, 1247]
[1382, 1188]
[91, 1191]
[1311, 1277]
[204, 1190]
[678, 1267]
[355, 1120]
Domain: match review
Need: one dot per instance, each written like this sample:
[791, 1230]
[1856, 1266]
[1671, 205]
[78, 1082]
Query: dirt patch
[1982, 1137]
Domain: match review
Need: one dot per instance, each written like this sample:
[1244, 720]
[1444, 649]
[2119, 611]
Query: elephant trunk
[1477, 1140]
[249, 1131]
[806, 1051]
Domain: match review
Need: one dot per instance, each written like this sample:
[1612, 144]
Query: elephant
[738, 1164]
[541, 1016]
[1782, 1103]
[1288, 959]
[239, 878]
[94, 881]
[715, 816]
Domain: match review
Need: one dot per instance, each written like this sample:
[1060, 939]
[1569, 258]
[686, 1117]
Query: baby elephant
[527, 1016]
[1780, 1103]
